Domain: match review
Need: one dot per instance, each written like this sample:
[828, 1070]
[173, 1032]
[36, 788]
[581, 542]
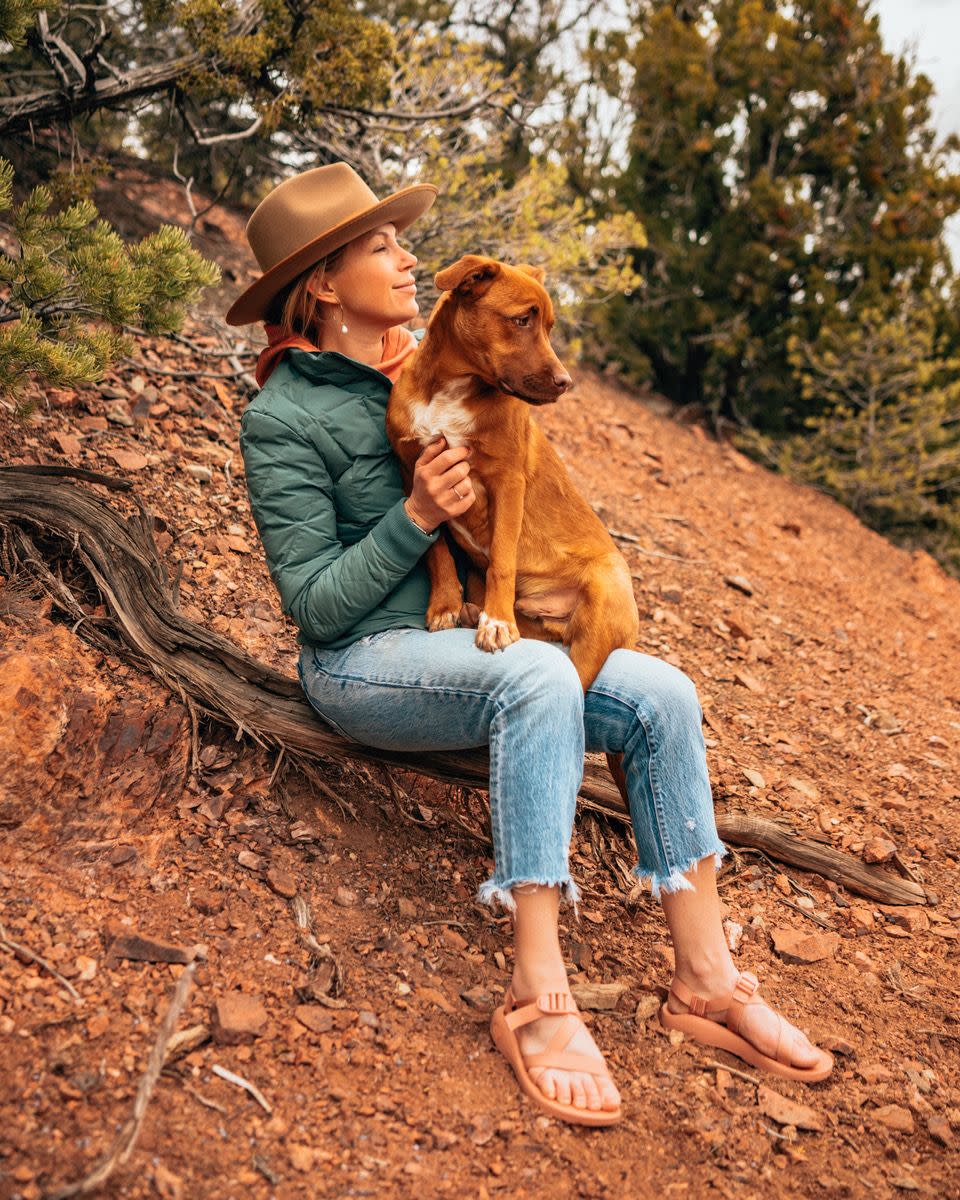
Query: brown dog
[551, 569]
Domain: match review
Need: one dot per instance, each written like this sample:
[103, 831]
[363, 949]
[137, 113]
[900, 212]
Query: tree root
[147, 629]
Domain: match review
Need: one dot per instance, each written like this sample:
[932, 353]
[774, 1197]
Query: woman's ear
[468, 276]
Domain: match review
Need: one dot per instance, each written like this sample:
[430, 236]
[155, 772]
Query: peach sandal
[726, 1036]
[515, 1013]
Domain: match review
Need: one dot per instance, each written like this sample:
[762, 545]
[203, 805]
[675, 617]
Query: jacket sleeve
[324, 587]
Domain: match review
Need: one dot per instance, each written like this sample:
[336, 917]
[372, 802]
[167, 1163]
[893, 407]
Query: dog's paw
[495, 635]
[469, 616]
[442, 619]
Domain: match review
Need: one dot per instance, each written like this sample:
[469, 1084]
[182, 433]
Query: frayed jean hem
[676, 880]
[492, 892]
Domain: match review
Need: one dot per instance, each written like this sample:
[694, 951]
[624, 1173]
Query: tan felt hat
[310, 215]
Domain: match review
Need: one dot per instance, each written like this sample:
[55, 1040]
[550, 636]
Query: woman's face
[373, 282]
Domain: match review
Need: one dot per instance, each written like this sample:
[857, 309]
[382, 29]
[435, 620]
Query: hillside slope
[828, 664]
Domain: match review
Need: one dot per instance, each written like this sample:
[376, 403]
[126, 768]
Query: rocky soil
[347, 974]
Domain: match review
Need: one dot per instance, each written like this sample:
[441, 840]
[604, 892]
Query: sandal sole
[712, 1033]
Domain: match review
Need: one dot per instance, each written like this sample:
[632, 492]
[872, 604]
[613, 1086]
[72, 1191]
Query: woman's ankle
[531, 979]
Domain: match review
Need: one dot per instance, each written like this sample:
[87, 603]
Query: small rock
[739, 584]
[67, 444]
[754, 777]
[406, 908]
[598, 997]
[782, 884]
[435, 996]
[647, 1006]
[301, 1157]
[739, 628]
[798, 946]
[120, 855]
[787, 1112]
[208, 903]
[344, 897]
[477, 997]
[914, 920]
[141, 949]
[98, 1025]
[368, 1019]
[750, 682]
[119, 414]
[128, 460]
[939, 1129]
[454, 939]
[861, 919]
[894, 1117]
[247, 858]
[237, 1018]
[837, 1044]
[863, 962]
[201, 473]
[316, 1018]
[878, 850]
[733, 932]
[282, 882]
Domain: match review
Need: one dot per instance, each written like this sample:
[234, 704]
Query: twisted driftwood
[147, 629]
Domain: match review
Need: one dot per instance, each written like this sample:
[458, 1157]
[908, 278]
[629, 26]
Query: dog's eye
[521, 321]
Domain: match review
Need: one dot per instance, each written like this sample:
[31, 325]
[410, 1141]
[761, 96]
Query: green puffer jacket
[327, 497]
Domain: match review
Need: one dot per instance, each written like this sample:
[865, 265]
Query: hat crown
[304, 208]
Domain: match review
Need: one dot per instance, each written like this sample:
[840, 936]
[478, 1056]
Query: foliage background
[740, 202]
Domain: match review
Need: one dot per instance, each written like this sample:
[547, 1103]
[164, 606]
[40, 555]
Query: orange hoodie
[398, 344]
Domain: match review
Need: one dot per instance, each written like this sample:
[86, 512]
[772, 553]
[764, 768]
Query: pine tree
[69, 287]
[784, 166]
[886, 440]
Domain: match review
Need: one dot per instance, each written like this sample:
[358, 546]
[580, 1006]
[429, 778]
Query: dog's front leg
[446, 591]
[496, 629]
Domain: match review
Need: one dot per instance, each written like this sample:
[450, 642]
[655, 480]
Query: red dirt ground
[832, 698]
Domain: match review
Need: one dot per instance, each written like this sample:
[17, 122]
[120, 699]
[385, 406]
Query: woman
[344, 547]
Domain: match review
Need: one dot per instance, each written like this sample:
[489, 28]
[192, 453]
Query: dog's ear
[469, 276]
[536, 273]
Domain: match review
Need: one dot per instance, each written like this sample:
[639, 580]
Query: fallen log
[46, 505]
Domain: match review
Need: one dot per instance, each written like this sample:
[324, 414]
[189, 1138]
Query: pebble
[787, 1112]
[252, 862]
[878, 850]
[798, 946]
[282, 882]
[939, 1129]
[894, 1117]
[237, 1018]
[344, 897]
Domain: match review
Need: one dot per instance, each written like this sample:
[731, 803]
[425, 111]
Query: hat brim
[401, 209]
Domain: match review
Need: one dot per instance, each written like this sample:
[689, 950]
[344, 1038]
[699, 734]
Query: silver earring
[343, 324]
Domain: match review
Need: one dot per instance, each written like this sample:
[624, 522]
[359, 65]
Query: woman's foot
[595, 1093]
[760, 1025]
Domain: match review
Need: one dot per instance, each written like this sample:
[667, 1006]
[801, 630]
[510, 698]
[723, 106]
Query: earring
[343, 324]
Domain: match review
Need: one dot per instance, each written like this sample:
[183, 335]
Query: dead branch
[123, 1146]
[223, 681]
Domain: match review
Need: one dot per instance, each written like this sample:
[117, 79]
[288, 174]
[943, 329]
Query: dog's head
[501, 317]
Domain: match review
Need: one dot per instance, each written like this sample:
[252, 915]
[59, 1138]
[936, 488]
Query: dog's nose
[561, 381]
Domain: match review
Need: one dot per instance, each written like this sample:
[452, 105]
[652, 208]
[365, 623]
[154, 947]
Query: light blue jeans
[407, 689]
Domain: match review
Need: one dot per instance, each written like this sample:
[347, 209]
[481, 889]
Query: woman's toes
[578, 1093]
[545, 1082]
[564, 1093]
[592, 1093]
[610, 1095]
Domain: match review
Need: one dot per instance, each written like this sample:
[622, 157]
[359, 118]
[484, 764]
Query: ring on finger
[458, 495]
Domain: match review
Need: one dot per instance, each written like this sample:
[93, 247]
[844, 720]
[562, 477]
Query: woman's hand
[438, 476]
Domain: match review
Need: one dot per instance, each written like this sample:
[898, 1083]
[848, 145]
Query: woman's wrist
[415, 517]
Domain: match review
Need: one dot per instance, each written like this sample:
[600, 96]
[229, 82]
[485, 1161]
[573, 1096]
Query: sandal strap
[566, 1062]
[522, 1012]
[734, 1002]
[744, 993]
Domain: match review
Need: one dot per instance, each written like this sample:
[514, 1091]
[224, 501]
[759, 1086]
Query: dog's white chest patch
[445, 413]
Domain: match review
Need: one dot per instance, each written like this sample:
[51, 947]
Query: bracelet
[425, 532]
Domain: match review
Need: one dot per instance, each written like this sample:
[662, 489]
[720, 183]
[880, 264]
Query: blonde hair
[297, 309]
